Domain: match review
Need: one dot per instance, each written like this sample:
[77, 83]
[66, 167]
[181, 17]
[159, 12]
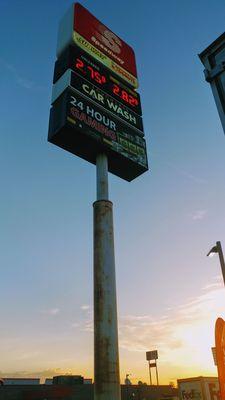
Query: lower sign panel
[82, 128]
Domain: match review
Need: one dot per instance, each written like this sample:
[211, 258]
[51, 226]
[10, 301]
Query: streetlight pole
[220, 252]
[218, 249]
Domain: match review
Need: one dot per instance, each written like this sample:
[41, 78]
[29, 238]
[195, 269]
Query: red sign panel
[104, 39]
[220, 353]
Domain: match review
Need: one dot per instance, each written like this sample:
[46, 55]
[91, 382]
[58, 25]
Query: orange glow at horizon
[183, 337]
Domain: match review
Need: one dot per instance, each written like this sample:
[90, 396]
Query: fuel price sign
[73, 80]
[95, 105]
[80, 62]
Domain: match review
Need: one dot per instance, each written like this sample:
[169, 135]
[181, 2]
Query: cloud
[85, 307]
[51, 311]
[181, 171]
[183, 337]
[45, 373]
[19, 79]
[75, 325]
[199, 214]
[193, 178]
[88, 326]
[29, 355]
[214, 285]
[184, 332]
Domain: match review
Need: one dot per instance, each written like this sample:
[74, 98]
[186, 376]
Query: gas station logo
[108, 39]
[108, 42]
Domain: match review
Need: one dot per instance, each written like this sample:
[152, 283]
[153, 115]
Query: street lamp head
[213, 250]
[218, 249]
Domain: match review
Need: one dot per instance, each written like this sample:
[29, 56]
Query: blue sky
[165, 221]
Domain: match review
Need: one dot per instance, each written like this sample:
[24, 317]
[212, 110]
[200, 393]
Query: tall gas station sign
[94, 105]
[79, 27]
[96, 114]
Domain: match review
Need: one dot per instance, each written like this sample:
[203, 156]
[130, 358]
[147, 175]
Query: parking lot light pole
[218, 249]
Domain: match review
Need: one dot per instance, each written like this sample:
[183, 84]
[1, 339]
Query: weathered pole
[106, 353]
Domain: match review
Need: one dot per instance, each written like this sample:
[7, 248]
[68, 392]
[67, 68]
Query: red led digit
[92, 72]
[133, 101]
[103, 79]
[79, 64]
[98, 77]
[124, 96]
[116, 89]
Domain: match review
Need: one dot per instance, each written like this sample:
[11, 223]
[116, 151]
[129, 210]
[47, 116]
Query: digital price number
[92, 74]
[99, 75]
[123, 95]
[87, 69]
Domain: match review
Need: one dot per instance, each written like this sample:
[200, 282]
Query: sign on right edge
[220, 354]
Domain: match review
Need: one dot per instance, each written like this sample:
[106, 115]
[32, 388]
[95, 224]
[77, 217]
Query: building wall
[83, 392]
[87, 381]
[21, 381]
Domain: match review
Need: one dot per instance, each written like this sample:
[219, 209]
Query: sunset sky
[169, 292]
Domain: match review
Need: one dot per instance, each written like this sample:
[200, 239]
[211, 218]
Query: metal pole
[157, 376]
[150, 375]
[222, 263]
[102, 177]
[106, 354]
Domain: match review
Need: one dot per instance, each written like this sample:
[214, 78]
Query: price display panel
[80, 62]
[83, 128]
[72, 79]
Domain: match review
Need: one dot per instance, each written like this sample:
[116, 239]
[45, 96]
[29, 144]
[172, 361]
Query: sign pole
[150, 375]
[106, 353]
[90, 118]
[157, 375]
